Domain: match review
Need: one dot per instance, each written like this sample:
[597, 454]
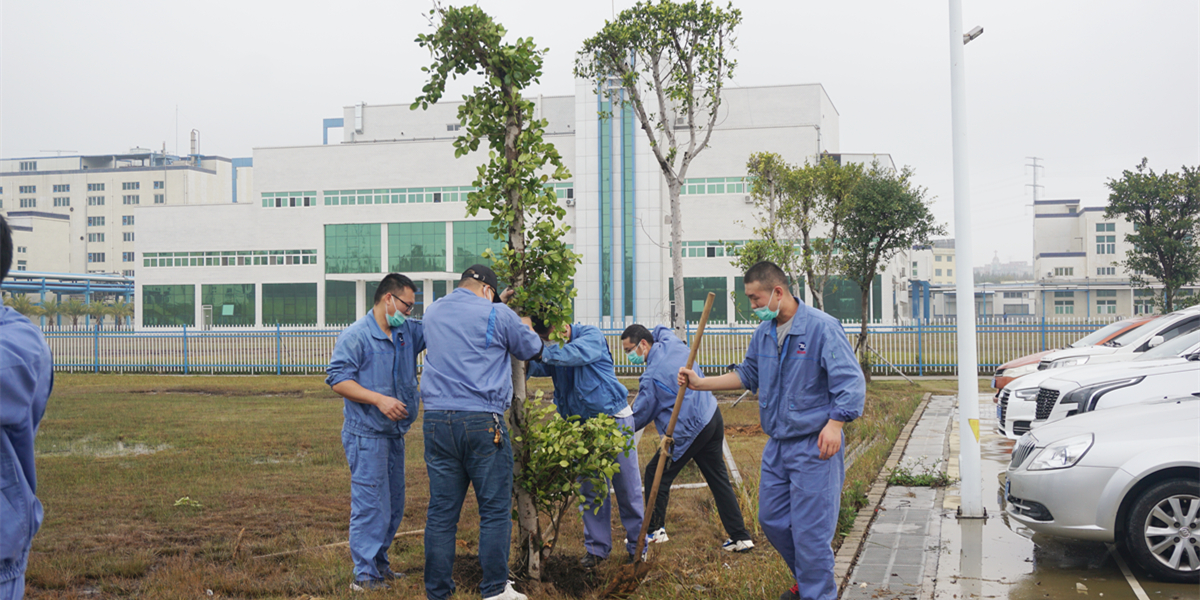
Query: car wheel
[1162, 533]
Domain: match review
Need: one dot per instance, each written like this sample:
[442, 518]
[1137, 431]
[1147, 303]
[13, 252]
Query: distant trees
[1165, 212]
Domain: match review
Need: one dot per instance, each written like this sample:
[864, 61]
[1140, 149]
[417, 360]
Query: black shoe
[792, 593]
[590, 561]
[389, 575]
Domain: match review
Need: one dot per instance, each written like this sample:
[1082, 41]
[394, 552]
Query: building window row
[714, 185]
[62, 201]
[131, 185]
[95, 257]
[95, 187]
[62, 187]
[1102, 227]
[28, 165]
[1064, 307]
[22, 249]
[1064, 271]
[1106, 307]
[434, 195]
[95, 221]
[229, 258]
[1106, 244]
[27, 189]
[708, 249]
[21, 265]
[1106, 270]
[158, 185]
[95, 237]
[95, 200]
[131, 199]
[127, 236]
[127, 219]
[160, 198]
[289, 199]
[28, 202]
[127, 257]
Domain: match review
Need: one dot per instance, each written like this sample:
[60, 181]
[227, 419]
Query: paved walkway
[900, 555]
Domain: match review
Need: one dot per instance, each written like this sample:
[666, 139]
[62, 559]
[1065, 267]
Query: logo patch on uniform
[801, 348]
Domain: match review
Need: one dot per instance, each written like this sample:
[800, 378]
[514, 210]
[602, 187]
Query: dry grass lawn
[259, 459]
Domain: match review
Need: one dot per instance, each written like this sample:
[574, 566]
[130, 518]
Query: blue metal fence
[919, 348]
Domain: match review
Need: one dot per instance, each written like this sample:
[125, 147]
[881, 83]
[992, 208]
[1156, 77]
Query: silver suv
[1129, 474]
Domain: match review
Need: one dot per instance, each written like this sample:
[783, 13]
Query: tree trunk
[679, 319]
[861, 347]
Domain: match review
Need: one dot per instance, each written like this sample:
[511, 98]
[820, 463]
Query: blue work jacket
[26, 379]
[813, 379]
[585, 383]
[658, 387]
[365, 354]
[467, 366]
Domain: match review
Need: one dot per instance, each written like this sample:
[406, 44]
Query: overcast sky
[1089, 86]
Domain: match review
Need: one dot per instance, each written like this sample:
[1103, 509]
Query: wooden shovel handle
[665, 445]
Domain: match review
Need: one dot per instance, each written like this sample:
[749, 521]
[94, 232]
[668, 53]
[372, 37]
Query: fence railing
[918, 348]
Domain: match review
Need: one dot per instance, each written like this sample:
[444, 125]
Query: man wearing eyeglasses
[374, 368]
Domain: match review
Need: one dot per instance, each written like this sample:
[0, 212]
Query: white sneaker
[659, 536]
[508, 594]
[738, 546]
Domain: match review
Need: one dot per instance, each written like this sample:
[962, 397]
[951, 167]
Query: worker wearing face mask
[374, 368]
[467, 386]
[586, 386]
[699, 432]
[809, 384]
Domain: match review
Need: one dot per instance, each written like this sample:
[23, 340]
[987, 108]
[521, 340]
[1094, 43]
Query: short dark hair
[636, 334]
[539, 326]
[6, 248]
[393, 282]
[766, 272]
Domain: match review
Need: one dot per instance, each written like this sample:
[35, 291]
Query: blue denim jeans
[376, 500]
[460, 450]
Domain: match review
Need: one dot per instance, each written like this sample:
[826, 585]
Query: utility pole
[968, 359]
[1033, 164]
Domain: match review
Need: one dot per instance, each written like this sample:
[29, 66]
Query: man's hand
[830, 440]
[507, 295]
[688, 377]
[391, 407]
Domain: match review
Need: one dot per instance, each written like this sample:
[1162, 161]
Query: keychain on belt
[496, 439]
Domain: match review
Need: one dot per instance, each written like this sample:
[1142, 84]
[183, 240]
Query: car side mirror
[1155, 341]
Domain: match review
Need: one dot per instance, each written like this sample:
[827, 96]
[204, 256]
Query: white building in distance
[328, 221]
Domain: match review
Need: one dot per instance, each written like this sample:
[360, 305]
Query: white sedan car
[1130, 343]
[1170, 370]
[1129, 475]
[1017, 409]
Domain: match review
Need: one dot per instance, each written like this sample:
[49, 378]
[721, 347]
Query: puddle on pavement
[98, 449]
[997, 558]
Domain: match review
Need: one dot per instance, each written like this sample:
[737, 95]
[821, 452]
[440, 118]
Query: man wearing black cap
[466, 387]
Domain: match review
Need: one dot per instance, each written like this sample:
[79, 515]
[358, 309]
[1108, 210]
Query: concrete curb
[851, 546]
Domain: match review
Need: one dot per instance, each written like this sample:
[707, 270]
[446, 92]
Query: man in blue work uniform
[26, 378]
[374, 368]
[466, 386]
[809, 384]
[585, 385]
[699, 432]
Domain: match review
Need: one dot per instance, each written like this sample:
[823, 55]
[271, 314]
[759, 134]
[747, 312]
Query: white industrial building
[327, 221]
[77, 214]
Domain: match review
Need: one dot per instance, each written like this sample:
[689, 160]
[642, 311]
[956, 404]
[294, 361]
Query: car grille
[1003, 406]
[1045, 403]
[1020, 427]
[1024, 446]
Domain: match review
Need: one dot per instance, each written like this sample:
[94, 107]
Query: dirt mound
[561, 574]
[754, 429]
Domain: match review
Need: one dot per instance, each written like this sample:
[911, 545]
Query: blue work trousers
[13, 589]
[376, 500]
[799, 496]
[461, 450]
[627, 484]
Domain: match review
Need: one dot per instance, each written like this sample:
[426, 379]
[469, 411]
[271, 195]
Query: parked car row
[1108, 441]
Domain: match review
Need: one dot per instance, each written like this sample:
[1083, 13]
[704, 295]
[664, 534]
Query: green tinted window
[695, 291]
[471, 238]
[416, 247]
[289, 304]
[168, 305]
[232, 304]
[339, 303]
[353, 248]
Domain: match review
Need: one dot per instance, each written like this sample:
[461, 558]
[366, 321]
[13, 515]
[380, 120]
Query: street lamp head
[972, 34]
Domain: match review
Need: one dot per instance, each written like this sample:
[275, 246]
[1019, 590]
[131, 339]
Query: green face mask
[635, 359]
[764, 313]
[395, 319]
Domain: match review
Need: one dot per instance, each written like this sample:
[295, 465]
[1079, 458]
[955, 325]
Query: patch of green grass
[920, 474]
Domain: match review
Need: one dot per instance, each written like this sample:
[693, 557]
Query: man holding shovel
[374, 368]
[699, 432]
[809, 385]
[585, 385]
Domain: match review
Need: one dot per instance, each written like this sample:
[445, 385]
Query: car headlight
[1069, 362]
[1062, 454]
[1026, 393]
[1085, 398]
[1019, 371]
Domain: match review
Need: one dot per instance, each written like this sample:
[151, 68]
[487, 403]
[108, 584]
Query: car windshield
[1100, 335]
[1172, 347]
[1128, 336]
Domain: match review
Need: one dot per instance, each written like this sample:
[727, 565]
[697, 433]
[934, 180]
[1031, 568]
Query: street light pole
[968, 360]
